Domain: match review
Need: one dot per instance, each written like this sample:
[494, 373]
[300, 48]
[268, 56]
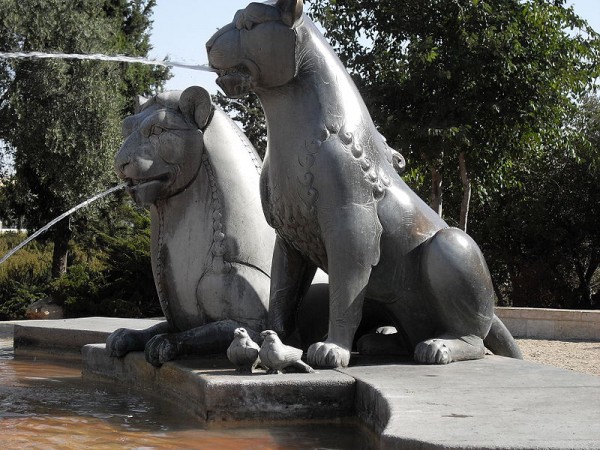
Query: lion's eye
[156, 130]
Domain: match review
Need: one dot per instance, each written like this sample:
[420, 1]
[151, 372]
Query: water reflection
[48, 405]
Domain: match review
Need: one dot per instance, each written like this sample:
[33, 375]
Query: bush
[23, 277]
[109, 273]
[124, 287]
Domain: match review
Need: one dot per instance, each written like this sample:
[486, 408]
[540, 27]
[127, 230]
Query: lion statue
[211, 248]
[330, 188]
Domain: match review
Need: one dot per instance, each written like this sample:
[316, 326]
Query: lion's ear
[291, 11]
[139, 102]
[196, 105]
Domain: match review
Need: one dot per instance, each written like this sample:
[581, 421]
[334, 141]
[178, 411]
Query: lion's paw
[433, 351]
[160, 349]
[328, 355]
[122, 341]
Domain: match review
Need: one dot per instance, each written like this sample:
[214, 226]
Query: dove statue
[276, 356]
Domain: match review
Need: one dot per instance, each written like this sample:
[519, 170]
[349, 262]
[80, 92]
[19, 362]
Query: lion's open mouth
[137, 182]
[240, 70]
[237, 81]
[146, 191]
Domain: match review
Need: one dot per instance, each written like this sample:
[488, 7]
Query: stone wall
[540, 323]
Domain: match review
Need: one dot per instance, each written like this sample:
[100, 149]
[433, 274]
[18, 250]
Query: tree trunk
[586, 275]
[466, 200]
[62, 236]
[436, 191]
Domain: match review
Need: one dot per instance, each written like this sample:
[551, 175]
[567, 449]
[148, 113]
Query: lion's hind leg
[448, 348]
[462, 298]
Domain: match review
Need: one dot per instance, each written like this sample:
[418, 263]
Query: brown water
[45, 405]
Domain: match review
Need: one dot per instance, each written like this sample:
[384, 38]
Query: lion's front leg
[352, 243]
[347, 285]
[125, 340]
[212, 338]
[291, 275]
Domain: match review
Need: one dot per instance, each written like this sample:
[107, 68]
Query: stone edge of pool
[494, 403]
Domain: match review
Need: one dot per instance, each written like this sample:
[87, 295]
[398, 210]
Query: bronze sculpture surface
[330, 188]
[211, 249]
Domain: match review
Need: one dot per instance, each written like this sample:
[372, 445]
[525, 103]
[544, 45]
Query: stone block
[65, 337]
[540, 329]
[516, 326]
[211, 389]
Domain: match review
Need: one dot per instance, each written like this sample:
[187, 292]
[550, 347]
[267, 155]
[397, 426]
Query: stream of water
[101, 57]
[59, 218]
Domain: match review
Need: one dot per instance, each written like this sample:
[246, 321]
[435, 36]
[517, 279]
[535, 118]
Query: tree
[473, 82]
[132, 20]
[543, 235]
[62, 118]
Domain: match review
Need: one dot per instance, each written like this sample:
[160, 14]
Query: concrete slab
[64, 338]
[494, 403]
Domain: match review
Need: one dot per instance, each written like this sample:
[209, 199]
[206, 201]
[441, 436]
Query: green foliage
[493, 79]
[132, 20]
[23, 277]
[62, 118]
[124, 286]
[542, 236]
[110, 275]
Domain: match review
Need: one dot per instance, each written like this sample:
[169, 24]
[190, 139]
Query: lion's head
[256, 50]
[163, 144]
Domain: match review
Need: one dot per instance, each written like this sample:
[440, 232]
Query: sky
[182, 27]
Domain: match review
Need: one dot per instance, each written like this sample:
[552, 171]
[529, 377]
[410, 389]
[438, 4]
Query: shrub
[23, 277]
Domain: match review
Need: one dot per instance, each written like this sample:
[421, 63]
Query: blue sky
[182, 27]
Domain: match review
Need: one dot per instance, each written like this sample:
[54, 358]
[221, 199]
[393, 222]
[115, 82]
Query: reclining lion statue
[211, 248]
[331, 189]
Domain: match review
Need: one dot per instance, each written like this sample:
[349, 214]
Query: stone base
[493, 403]
[212, 390]
[64, 338]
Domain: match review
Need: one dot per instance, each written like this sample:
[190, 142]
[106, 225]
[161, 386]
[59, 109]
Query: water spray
[101, 57]
[61, 217]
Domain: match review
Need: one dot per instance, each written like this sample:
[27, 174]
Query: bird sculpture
[243, 351]
[276, 356]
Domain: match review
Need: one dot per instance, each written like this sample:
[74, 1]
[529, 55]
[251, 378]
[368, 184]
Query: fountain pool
[46, 404]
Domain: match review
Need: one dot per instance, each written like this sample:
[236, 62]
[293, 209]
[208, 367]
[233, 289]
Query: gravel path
[579, 356]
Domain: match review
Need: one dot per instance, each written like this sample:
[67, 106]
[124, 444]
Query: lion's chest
[289, 196]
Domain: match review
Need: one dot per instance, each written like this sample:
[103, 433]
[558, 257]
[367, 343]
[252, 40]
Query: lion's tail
[500, 341]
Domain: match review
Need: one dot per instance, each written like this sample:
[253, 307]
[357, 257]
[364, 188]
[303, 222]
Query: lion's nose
[211, 42]
[121, 165]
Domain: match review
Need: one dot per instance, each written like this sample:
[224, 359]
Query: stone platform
[64, 338]
[494, 403]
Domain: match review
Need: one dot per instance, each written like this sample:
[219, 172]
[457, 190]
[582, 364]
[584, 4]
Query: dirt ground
[573, 355]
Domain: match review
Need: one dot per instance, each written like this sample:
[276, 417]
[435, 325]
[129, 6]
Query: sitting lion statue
[211, 248]
[330, 188]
